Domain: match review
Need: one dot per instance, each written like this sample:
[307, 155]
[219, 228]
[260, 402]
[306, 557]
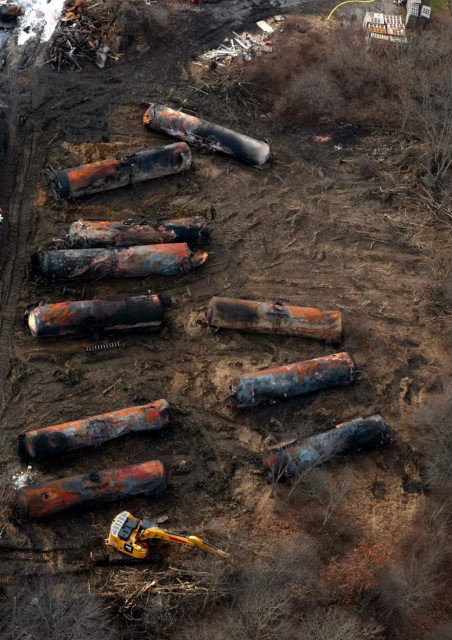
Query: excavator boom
[130, 536]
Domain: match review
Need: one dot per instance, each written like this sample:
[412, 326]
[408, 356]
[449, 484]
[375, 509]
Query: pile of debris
[244, 47]
[78, 38]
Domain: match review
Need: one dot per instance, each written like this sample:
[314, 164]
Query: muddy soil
[312, 229]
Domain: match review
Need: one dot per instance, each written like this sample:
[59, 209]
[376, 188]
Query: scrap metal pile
[78, 38]
[244, 47]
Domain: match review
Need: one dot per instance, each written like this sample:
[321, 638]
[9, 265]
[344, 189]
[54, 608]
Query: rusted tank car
[201, 133]
[39, 500]
[131, 262]
[293, 380]
[8, 15]
[85, 316]
[112, 174]
[276, 317]
[287, 459]
[85, 234]
[50, 442]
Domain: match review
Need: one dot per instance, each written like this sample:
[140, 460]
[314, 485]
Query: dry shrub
[335, 623]
[442, 631]
[356, 573]
[328, 489]
[315, 94]
[54, 608]
[128, 18]
[332, 74]
[419, 579]
[433, 425]
[409, 587]
[212, 599]
[153, 602]
[269, 77]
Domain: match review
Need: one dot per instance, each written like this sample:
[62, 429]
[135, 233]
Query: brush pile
[157, 595]
[94, 30]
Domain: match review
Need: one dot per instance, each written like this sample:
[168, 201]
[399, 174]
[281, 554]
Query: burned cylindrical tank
[131, 262]
[201, 133]
[44, 499]
[293, 379]
[61, 438]
[291, 457]
[112, 174]
[85, 316]
[276, 317]
[8, 15]
[85, 234]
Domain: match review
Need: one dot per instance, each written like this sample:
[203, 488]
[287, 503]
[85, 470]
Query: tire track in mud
[19, 176]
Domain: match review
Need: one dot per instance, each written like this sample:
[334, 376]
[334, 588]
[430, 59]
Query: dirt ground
[312, 229]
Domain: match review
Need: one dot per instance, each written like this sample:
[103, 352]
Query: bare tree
[329, 490]
[411, 586]
[54, 608]
[336, 623]
[434, 427]
[427, 108]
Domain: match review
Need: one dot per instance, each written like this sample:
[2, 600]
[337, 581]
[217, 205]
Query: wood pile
[79, 38]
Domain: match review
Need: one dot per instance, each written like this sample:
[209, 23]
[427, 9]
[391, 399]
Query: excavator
[133, 536]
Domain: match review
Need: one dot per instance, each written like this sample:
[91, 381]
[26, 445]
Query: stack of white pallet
[395, 26]
[373, 18]
[413, 8]
[424, 15]
[376, 37]
[378, 26]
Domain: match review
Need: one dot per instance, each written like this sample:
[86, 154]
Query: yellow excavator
[132, 536]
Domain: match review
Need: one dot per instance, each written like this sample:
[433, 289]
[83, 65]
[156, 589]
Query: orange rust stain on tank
[60, 314]
[83, 176]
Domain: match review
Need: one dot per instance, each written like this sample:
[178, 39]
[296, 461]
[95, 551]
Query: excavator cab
[131, 536]
[123, 535]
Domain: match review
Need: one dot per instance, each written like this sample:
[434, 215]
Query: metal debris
[201, 133]
[262, 24]
[291, 457]
[39, 500]
[113, 173]
[104, 345]
[86, 234]
[87, 316]
[276, 317]
[293, 380]
[243, 47]
[131, 262]
[56, 440]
